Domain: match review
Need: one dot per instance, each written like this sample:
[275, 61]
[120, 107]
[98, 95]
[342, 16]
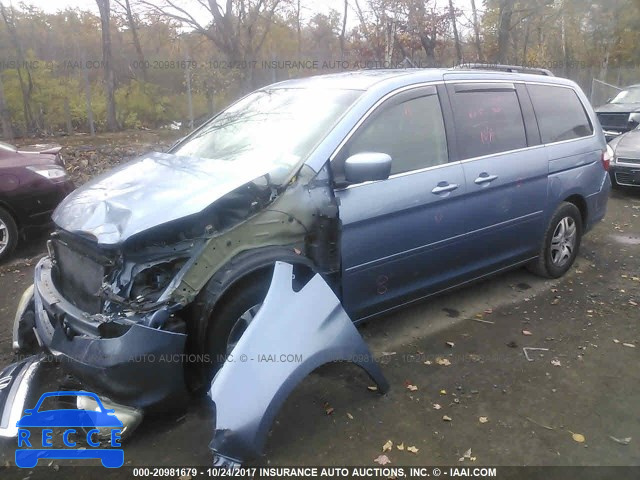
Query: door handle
[444, 187]
[485, 178]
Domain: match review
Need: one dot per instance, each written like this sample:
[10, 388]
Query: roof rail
[505, 68]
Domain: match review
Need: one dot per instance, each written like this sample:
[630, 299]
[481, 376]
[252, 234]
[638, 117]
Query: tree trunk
[429, 45]
[344, 28]
[67, 117]
[136, 40]
[107, 60]
[476, 30]
[189, 95]
[87, 96]
[504, 29]
[5, 117]
[456, 38]
[299, 31]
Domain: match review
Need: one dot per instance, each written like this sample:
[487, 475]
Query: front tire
[226, 320]
[8, 234]
[561, 242]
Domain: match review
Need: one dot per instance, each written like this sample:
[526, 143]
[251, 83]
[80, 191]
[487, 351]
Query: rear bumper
[140, 367]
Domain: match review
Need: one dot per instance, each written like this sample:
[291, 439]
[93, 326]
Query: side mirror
[367, 167]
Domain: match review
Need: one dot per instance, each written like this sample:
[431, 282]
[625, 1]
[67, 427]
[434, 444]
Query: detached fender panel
[293, 334]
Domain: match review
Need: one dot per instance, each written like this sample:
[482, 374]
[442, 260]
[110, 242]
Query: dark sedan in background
[625, 162]
[33, 181]
[621, 114]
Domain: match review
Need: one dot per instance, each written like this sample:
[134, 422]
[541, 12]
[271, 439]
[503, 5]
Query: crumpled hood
[151, 190]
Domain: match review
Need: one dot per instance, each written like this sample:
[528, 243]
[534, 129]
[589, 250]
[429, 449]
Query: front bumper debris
[292, 334]
[139, 367]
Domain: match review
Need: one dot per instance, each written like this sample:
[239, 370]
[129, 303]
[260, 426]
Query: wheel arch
[248, 266]
[581, 203]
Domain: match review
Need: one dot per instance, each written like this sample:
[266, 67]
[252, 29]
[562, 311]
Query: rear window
[488, 122]
[560, 113]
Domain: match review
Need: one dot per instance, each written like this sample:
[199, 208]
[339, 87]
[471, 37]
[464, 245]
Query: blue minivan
[392, 185]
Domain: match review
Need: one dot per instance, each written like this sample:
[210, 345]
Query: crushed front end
[114, 340]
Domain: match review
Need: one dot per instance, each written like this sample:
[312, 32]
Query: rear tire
[8, 234]
[560, 243]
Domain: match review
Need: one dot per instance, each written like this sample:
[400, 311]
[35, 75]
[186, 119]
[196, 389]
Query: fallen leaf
[615, 340]
[412, 449]
[631, 302]
[427, 362]
[467, 454]
[401, 446]
[328, 408]
[373, 388]
[437, 406]
[387, 446]
[350, 416]
[447, 418]
[488, 311]
[556, 363]
[631, 345]
[483, 419]
[526, 333]
[443, 361]
[578, 437]
[382, 460]
[411, 388]
[443, 392]
[621, 441]
[451, 344]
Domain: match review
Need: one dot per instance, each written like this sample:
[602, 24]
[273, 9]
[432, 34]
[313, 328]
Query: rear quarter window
[560, 113]
[488, 122]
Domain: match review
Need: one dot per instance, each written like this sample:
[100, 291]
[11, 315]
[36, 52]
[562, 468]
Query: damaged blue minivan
[302, 208]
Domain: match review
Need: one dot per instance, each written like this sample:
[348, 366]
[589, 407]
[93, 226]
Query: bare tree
[505, 13]
[476, 30]
[456, 38]
[125, 5]
[107, 60]
[344, 29]
[238, 30]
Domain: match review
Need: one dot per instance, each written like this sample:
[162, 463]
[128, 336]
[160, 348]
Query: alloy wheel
[563, 241]
[4, 236]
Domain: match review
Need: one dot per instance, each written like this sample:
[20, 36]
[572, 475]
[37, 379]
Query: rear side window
[560, 113]
[487, 121]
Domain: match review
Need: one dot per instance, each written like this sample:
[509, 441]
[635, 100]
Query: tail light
[607, 157]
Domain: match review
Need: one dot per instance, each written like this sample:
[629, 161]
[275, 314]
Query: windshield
[277, 127]
[8, 147]
[631, 95]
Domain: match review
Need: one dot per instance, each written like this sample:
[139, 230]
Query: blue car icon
[69, 418]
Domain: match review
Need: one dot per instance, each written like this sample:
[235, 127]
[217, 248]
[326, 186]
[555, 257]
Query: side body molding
[293, 334]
